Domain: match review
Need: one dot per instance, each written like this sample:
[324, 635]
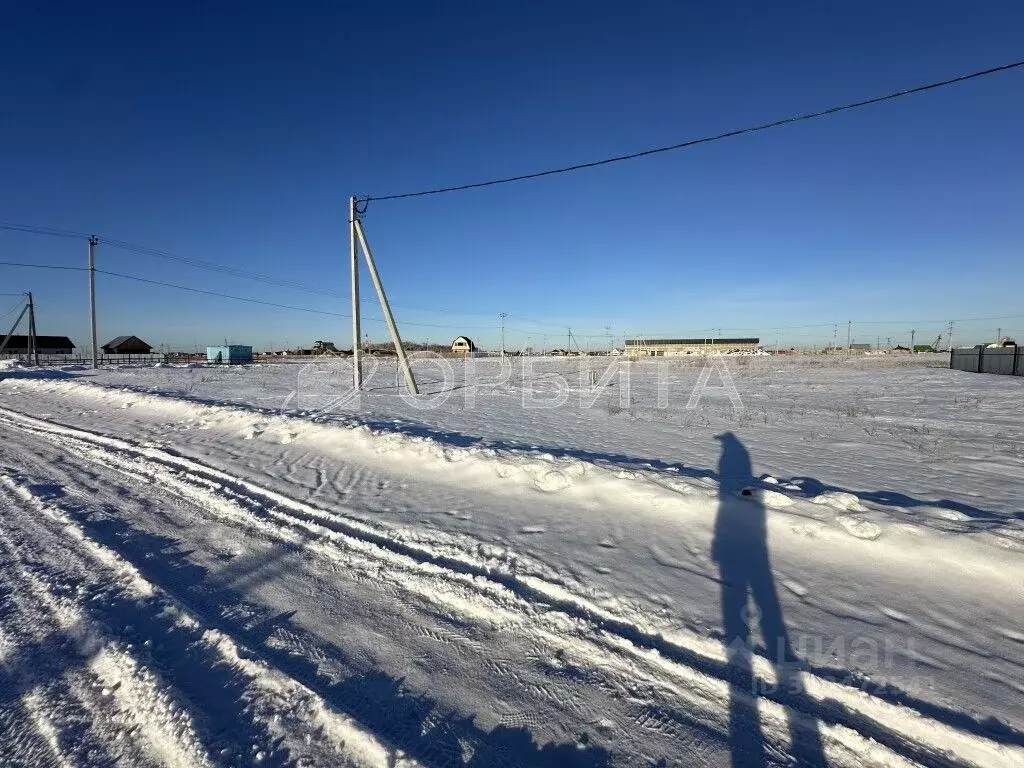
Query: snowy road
[189, 584]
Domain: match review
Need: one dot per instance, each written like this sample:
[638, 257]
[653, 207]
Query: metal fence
[151, 359]
[1008, 361]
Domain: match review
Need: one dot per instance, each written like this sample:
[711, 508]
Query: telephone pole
[950, 335]
[912, 332]
[502, 316]
[835, 336]
[33, 342]
[93, 240]
[849, 330]
[353, 257]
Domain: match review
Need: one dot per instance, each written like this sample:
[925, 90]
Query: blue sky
[235, 135]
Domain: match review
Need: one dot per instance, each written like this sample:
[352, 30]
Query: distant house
[231, 354]
[325, 348]
[45, 345]
[676, 347]
[463, 345]
[127, 345]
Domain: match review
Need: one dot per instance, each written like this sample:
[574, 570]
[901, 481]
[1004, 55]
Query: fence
[1008, 361]
[152, 359]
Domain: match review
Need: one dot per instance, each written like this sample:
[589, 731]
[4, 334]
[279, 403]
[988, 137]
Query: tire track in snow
[904, 731]
[261, 705]
[77, 679]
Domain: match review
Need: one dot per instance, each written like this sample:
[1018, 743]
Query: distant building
[324, 348]
[463, 345]
[127, 345]
[45, 345]
[861, 347]
[677, 347]
[232, 354]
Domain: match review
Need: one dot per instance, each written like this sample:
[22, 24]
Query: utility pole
[999, 335]
[33, 343]
[878, 343]
[835, 336]
[950, 335]
[93, 240]
[849, 330]
[912, 332]
[353, 256]
[568, 344]
[503, 315]
[403, 361]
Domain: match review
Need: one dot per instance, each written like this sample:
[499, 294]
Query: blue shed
[230, 355]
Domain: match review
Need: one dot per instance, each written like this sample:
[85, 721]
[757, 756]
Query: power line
[14, 227]
[708, 139]
[521, 331]
[224, 269]
[218, 294]
[42, 266]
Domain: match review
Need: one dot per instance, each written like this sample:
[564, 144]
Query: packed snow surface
[534, 563]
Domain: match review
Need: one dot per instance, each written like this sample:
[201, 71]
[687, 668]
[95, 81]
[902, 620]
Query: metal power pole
[912, 332]
[93, 240]
[835, 336]
[33, 343]
[849, 330]
[357, 367]
[503, 315]
[950, 335]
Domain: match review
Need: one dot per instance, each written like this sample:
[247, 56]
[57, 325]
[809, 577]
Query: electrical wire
[706, 139]
[223, 268]
[42, 266]
[14, 227]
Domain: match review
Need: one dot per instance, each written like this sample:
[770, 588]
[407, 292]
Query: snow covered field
[243, 566]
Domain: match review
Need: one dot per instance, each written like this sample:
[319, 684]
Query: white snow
[373, 582]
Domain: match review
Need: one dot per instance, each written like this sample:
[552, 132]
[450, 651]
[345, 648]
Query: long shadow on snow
[410, 721]
[740, 549]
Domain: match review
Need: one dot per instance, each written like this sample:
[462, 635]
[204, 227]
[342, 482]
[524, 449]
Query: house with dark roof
[127, 345]
[463, 345]
[45, 345]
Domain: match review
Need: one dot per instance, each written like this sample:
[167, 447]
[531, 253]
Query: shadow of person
[740, 548]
